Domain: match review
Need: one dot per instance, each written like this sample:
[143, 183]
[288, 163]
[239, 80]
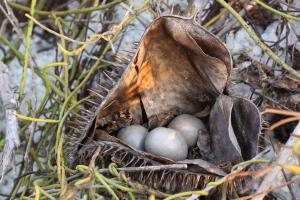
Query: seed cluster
[171, 142]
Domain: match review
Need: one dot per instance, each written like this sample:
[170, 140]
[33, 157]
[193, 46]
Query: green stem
[265, 6]
[101, 179]
[253, 35]
[248, 162]
[66, 60]
[11, 47]
[66, 12]
[27, 51]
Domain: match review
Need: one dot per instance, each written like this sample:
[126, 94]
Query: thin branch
[27, 52]
[277, 12]
[286, 156]
[12, 140]
[51, 31]
[147, 168]
[270, 189]
[253, 35]
[281, 112]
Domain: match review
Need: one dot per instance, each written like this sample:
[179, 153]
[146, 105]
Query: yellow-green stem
[65, 12]
[27, 51]
[265, 6]
[66, 60]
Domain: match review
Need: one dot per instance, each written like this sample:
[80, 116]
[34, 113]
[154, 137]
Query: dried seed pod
[134, 136]
[166, 142]
[179, 67]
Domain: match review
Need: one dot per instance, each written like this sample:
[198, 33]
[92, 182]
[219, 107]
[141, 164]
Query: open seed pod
[233, 131]
[179, 67]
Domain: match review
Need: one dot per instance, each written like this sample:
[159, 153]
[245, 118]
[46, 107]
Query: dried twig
[270, 189]
[253, 35]
[285, 157]
[10, 105]
[293, 116]
[147, 168]
[12, 19]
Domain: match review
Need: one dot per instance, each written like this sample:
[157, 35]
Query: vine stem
[265, 6]
[66, 12]
[27, 51]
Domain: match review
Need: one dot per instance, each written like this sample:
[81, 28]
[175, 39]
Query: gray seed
[188, 126]
[166, 142]
[134, 136]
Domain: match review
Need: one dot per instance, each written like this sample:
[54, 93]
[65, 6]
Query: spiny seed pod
[166, 142]
[188, 126]
[134, 136]
[179, 67]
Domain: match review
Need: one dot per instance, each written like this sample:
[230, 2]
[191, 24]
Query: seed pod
[179, 67]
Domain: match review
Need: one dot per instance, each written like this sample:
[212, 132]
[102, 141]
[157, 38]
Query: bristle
[106, 84]
[91, 102]
[87, 112]
[102, 87]
[114, 74]
[96, 94]
[102, 84]
[109, 78]
[123, 58]
[83, 117]
[80, 123]
[74, 127]
[115, 64]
